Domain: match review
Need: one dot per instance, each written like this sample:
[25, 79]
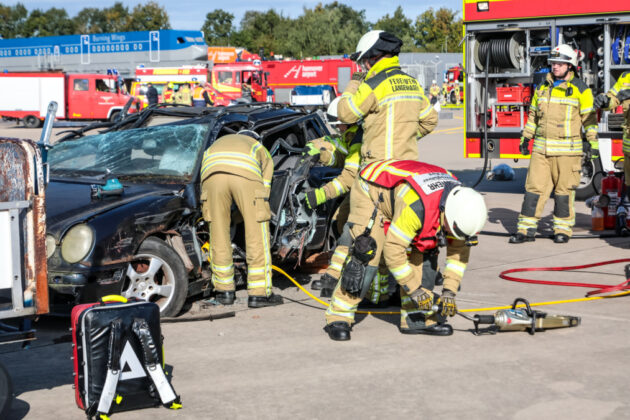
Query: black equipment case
[118, 358]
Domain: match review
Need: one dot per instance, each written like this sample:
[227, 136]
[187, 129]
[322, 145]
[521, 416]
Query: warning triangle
[130, 365]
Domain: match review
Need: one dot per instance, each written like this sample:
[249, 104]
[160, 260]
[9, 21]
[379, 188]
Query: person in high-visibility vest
[457, 94]
[444, 93]
[237, 168]
[197, 96]
[167, 94]
[434, 92]
[183, 95]
[619, 94]
[428, 208]
[562, 106]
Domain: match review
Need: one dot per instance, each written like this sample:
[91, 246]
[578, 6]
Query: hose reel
[506, 51]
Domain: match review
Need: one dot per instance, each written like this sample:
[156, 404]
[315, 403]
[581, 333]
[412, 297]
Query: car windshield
[155, 152]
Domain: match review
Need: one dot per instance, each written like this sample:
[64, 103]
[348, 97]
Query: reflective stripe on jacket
[394, 111]
[239, 155]
[623, 83]
[557, 116]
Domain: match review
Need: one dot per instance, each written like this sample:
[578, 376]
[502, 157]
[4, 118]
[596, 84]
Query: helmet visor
[557, 57]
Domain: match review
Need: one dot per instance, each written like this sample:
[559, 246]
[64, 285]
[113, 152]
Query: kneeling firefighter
[344, 150]
[428, 208]
[237, 168]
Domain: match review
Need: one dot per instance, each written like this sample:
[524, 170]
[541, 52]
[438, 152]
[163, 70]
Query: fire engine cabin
[243, 79]
[284, 76]
[160, 77]
[507, 46]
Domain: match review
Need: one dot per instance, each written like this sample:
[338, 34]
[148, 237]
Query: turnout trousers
[219, 191]
[560, 174]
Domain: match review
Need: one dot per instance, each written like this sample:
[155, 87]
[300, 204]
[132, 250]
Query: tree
[217, 28]
[398, 25]
[265, 30]
[436, 31]
[116, 18]
[12, 20]
[148, 17]
[49, 23]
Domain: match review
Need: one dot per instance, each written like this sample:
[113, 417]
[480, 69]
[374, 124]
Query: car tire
[114, 115]
[6, 392]
[157, 274]
[589, 179]
[31, 121]
[452, 97]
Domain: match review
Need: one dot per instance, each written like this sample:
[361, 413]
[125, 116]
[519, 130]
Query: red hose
[599, 288]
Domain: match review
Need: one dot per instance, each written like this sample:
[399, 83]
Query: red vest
[428, 181]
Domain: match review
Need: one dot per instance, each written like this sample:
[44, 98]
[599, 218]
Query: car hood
[70, 202]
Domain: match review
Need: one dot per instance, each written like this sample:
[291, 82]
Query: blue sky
[190, 14]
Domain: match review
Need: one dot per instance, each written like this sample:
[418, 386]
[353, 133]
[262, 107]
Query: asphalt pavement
[278, 363]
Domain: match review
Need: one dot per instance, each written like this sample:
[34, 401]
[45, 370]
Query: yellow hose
[494, 308]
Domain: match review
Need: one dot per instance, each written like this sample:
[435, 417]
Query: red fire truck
[25, 96]
[283, 76]
[454, 75]
[506, 50]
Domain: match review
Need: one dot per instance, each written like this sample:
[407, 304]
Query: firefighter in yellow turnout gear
[422, 201]
[395, 114]
[434, 91]
[560, 108]
[237, 168]
[619, 94]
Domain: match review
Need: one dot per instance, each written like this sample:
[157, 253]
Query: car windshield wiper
[79, 173]
[167, 178]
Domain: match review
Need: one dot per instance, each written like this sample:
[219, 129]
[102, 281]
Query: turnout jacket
[622, 88]
[238, 155]
[557, 116]
[394, 111]
[417, 195]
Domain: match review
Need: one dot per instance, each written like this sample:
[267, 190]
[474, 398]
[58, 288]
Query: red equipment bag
[118, 360]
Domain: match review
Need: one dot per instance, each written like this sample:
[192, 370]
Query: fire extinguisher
[611, 187]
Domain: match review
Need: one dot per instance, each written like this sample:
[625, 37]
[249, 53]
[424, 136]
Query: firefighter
[434, 92]
[237, 168]
[167, 94]
[562, 105]
[619, 94]
[197, 96]
[428, 208]
[395, 115]
[456, 90]
[444, 93]
[183, 95]
[152, 94]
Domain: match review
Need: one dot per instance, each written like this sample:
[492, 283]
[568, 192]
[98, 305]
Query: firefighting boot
[519, 238]
[225, 298]
[560, 238]
[338, 331]
[262, 301]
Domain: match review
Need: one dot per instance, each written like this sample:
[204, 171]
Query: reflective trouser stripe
[337, 260]
[259, 275]
[342, 306]
[379, 287]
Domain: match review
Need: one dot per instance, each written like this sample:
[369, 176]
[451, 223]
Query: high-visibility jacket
[239, 155]
[351, 161]
[394, 111]
[198, 93]
[419, 188]
[623, 83]
[334, 149]
[168, 96]
[183, 96]
[434, 90]
[444, 88]
[557, 115]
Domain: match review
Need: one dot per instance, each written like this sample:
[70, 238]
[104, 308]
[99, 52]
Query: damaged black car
[123, 210]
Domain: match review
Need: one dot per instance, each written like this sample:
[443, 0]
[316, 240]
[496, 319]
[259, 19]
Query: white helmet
[465, 212]
[433, 82]
[375, 43]
[563, 53]
[331, 112]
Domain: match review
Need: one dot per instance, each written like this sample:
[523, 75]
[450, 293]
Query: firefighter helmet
[331, 112]
[375, 43]
[250, 133]
[465, 212]
[563, 53]
[433, 82]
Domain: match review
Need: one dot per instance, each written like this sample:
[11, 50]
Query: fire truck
[25, 96]
[506, 50]
[160, 77]
[454, 75]
[284, 76]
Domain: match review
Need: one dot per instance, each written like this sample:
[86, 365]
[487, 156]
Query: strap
[152, 364]
[113, 369]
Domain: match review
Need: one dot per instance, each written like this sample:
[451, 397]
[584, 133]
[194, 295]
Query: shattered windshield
[153, 152]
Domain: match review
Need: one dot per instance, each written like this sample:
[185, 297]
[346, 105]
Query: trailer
[506, 50]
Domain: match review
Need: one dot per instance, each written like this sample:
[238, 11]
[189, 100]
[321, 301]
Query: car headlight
[77, 243]
[51, 244]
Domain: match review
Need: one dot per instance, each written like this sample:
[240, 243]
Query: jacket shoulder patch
[579, 84]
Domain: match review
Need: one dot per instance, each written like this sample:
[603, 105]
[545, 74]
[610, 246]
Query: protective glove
[623, 95]
[422, 298]
[449, 308]
[312, 150]
[314, 198]
[602, 101]
[524, 147]
[358, 75]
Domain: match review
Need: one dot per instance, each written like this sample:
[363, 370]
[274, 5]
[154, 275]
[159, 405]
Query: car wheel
[157, 274]
[114, 116]
[6, 392]
[590, 176]
[453, 98]
[31, 121]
